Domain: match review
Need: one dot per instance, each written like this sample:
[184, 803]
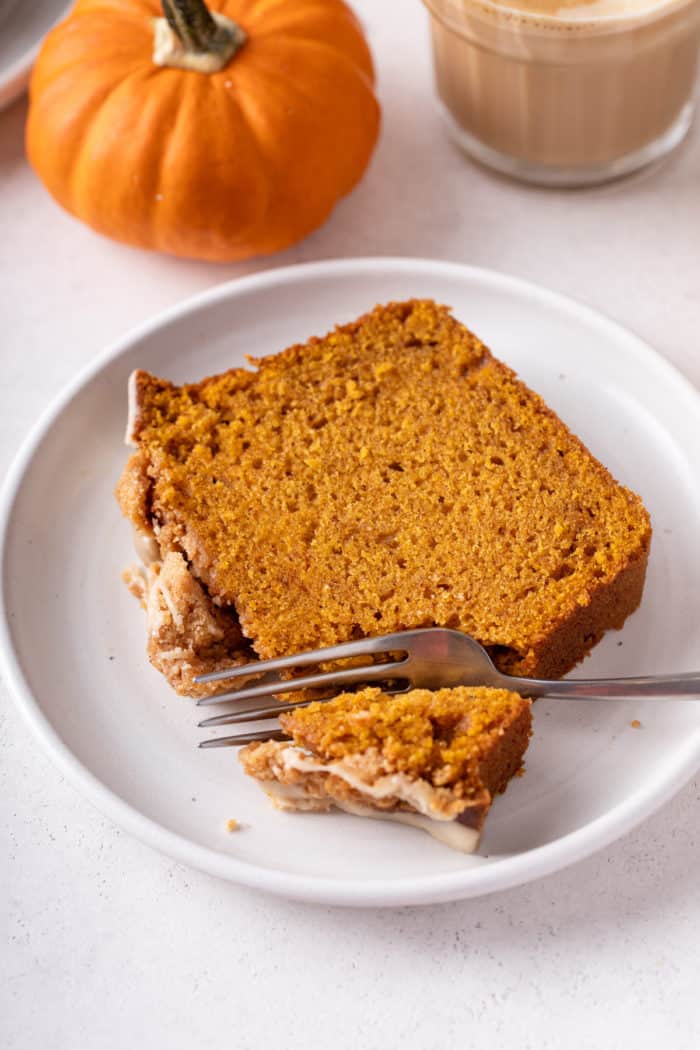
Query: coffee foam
[557, 15]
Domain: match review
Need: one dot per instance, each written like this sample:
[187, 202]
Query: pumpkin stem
[190, 37]
[191, 22]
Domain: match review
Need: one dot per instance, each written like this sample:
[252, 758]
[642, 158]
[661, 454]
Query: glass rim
[539, 18]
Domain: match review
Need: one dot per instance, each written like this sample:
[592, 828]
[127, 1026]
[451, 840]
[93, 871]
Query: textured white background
[107, 944]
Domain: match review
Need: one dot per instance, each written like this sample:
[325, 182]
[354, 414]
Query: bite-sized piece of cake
[432, 759]
[187, 634]
[388, 476]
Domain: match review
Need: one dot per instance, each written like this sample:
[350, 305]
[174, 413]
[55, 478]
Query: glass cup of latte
[566, 92]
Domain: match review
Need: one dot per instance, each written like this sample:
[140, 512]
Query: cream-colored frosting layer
[417, 793]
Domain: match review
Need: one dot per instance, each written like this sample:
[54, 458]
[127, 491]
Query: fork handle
[678, 686]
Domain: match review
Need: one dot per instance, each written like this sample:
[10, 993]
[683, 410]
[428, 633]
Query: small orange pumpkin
[210, 135]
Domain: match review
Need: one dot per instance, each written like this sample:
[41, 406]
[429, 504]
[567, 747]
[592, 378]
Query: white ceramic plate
[23, 26]
[73, 638]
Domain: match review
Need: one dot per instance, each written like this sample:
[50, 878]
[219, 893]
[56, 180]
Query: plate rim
[509, 871]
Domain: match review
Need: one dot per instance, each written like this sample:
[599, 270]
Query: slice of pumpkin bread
[391, 475]
[431, 759]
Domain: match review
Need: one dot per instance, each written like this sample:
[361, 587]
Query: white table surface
[109, 944]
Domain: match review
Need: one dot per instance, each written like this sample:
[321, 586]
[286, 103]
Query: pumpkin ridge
[62, 37]
[273, 74]
[264, 158]
[91, 106]
[367, 76]
[288, 18]
[258, 64]
[155, 217]
[197, 86]
[92, 126]
[101, 65]
[324, 204]
[292, 41]
[135, 9]
[254, 9]
[361, 56]
[271, 70]
[101, 15]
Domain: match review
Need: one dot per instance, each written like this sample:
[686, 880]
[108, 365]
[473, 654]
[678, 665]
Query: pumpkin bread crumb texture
[391, 475]
[444, 754]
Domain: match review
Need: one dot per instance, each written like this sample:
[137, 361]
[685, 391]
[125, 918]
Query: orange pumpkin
[242, 152]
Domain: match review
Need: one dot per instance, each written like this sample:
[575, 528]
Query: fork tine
[252, 714]
[245, 738]
[364, 647]
[258, 714]
[349, 676]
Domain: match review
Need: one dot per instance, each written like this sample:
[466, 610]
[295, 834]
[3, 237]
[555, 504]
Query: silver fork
[428, 658]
